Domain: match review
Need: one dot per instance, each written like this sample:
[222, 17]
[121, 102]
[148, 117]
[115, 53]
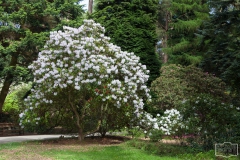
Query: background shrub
[14, 101]
[178, 83]
[210, 119]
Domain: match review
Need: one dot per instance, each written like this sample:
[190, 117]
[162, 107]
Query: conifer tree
[182, 43]
[24, 28]
[132, 26]
[221, 43]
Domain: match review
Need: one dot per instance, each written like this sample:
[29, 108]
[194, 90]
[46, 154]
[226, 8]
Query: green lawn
[107, 153]
[9, 145]
[39, 150]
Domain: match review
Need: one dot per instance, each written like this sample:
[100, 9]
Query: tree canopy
[180, 21]
[24, 28]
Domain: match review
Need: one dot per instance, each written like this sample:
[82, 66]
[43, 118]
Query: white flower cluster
[169, 123]
[83, 58]
[149, 122]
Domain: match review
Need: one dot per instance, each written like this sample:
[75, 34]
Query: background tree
[186, 17]
[132, 26]
[221, 43]
[24, 27]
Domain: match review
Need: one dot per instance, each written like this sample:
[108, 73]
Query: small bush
[161, 149]
[155, 135]
[135, 132]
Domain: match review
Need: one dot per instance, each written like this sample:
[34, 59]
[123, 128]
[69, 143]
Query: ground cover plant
[175, 149]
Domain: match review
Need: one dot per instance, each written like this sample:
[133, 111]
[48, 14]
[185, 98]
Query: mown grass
[9, 145]
[121, 152]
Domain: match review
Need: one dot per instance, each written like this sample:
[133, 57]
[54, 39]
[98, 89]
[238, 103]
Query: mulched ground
[107, 140]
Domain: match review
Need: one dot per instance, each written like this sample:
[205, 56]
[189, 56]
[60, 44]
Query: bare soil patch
[107, 140]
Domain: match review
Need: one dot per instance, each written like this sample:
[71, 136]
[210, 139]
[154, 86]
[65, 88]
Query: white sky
[84, 2]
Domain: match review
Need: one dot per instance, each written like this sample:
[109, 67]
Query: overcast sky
[84, 2]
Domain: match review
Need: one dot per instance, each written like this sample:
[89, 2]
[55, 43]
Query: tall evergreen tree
[24, 28]
[132, 26]
[182, 43]
[222, 43]
[163, 21]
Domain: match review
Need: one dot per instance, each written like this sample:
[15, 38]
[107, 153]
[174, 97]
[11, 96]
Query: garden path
[10, 139]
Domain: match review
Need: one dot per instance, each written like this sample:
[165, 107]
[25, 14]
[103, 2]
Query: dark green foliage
[221, 43]
[51, 118]
[112, 119]
[182, 43]
[234, 133]
[209, 119]
[131, 25]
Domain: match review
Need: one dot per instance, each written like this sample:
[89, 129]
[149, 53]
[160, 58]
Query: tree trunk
[79, 118]
[165, 58]
[165, 39]
[90, 6]
[7, 82]
[80, 134]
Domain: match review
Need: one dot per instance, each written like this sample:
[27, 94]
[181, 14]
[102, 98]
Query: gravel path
[10, 139]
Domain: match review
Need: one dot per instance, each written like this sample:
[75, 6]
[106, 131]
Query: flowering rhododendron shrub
[170, 123]
[79, 69]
